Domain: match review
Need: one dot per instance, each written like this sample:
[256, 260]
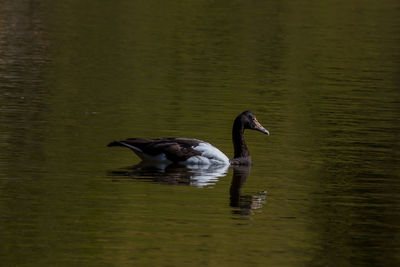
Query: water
[322, 77]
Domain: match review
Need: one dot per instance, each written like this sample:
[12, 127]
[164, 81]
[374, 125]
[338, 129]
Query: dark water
[323, 77]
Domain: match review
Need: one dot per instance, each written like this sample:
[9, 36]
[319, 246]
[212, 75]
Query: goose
[187, 151]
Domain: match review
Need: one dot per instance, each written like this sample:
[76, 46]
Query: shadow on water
[198, 176]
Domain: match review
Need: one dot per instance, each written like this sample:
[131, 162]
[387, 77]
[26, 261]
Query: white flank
[210, 155]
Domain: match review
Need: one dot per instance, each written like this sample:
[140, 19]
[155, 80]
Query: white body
[210, 155]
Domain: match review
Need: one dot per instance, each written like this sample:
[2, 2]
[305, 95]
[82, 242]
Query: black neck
[239, 144]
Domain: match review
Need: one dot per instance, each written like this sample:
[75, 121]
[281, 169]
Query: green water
[322, 77]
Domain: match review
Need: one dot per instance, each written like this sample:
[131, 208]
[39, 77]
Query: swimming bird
[186, 151]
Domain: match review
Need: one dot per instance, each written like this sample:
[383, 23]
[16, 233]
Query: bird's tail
[125, 144]
[116, 143]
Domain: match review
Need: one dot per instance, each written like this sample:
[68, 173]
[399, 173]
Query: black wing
[175, 149]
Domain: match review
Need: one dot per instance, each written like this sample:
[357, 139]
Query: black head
[249, 121]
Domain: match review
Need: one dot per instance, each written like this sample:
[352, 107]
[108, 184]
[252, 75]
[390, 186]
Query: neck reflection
[245, 203]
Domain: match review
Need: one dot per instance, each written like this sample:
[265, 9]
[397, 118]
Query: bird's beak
[259, 127]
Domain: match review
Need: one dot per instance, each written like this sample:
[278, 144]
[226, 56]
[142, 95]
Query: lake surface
[322, 77]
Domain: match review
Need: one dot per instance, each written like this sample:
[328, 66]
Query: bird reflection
[245, 203]
[174, 174]
[198, 176]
